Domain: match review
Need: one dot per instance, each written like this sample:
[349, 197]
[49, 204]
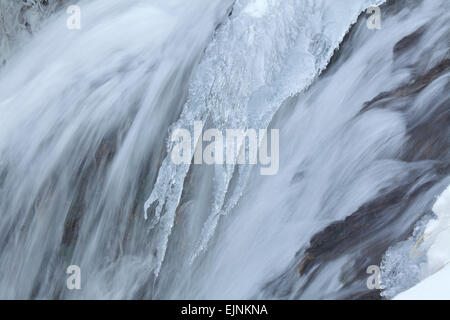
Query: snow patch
[434, 287]
[437, 234]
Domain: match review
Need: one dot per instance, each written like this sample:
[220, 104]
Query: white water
[19, 20]
[331, 164]
[85, 116]
[435, 274]
[67, 100]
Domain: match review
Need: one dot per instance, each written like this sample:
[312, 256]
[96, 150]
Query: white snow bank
[257, 8]
[436, 283]
[438, 234]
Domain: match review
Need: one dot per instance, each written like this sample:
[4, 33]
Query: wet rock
[409, 42]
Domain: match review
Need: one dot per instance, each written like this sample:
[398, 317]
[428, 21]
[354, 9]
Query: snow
[436, 282]
[257, 8]
[439, 233]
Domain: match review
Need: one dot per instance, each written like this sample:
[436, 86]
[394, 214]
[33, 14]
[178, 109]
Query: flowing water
[86, 176]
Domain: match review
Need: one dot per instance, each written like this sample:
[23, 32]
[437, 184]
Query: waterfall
[83, 127]
[86, 176]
